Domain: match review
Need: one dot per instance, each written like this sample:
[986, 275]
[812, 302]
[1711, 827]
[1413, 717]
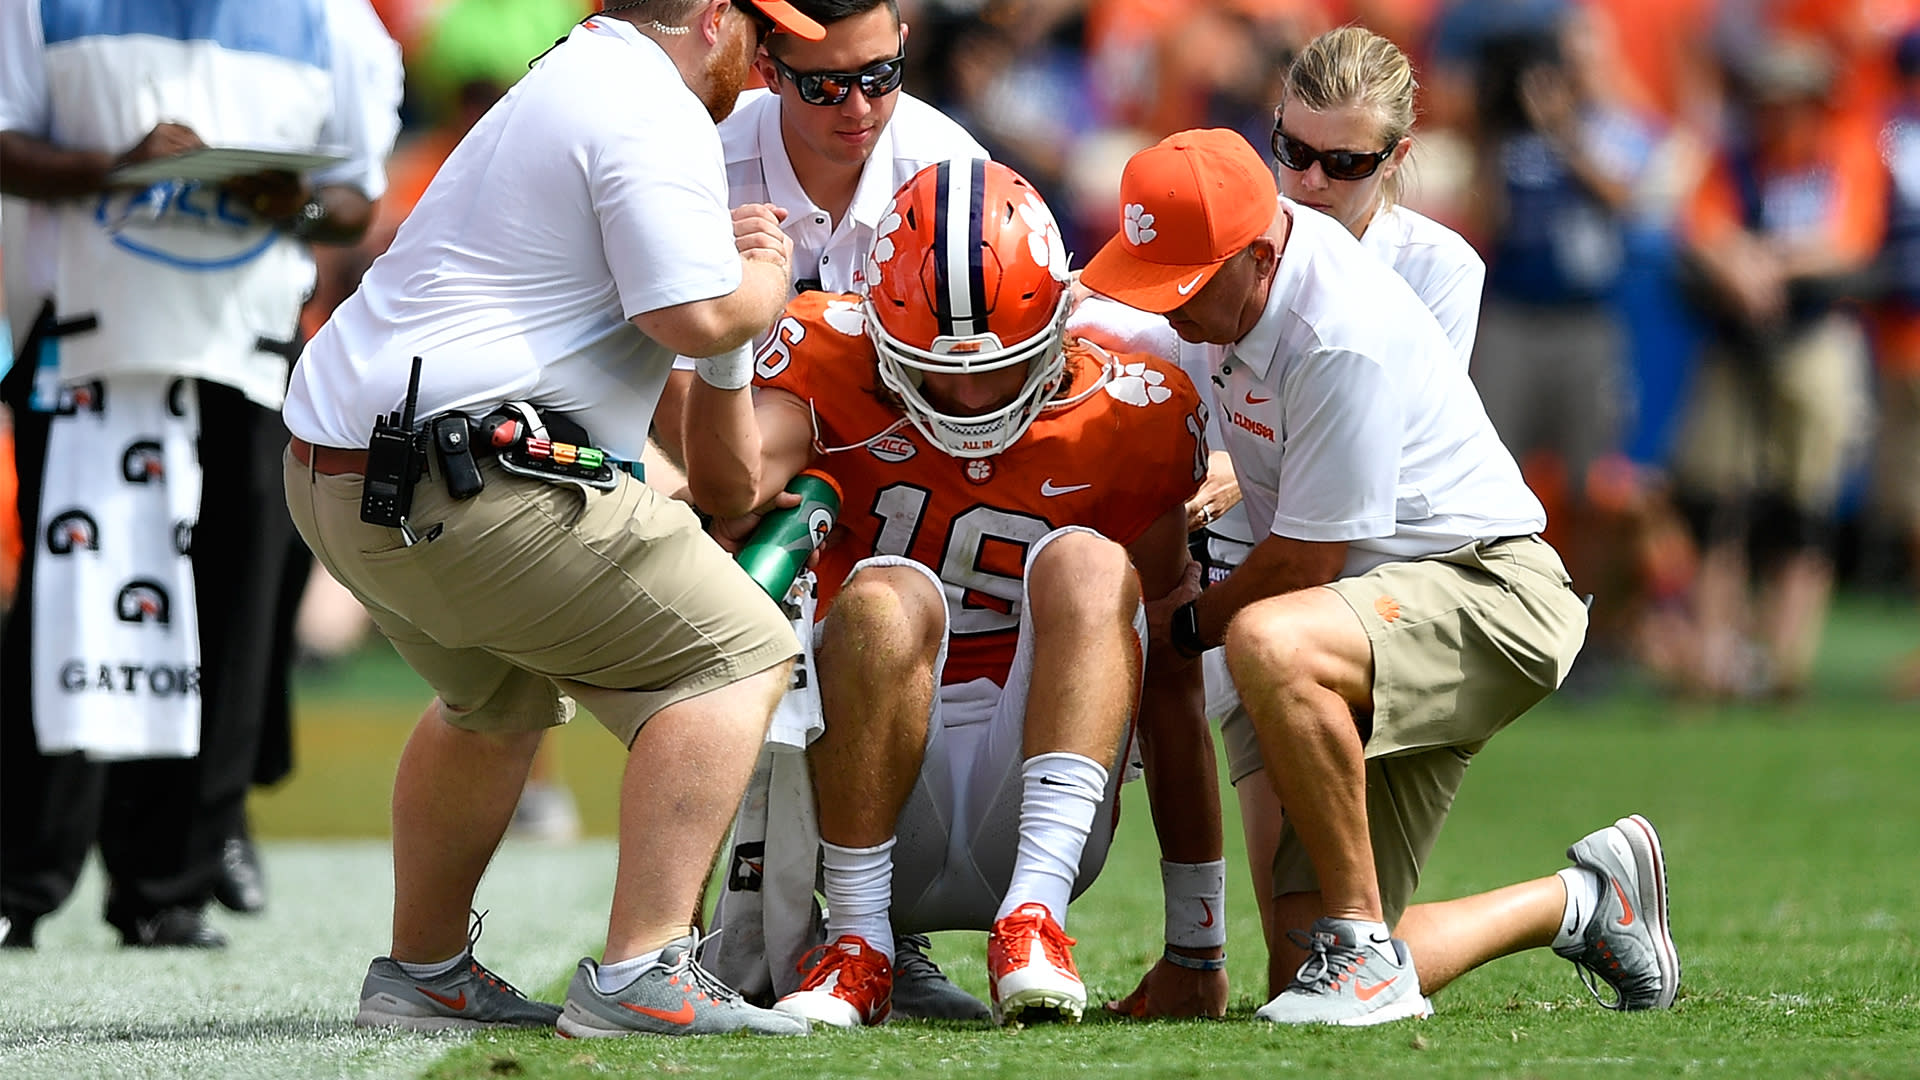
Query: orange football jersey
[1113, 461]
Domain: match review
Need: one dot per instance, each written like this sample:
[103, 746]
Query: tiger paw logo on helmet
[1139, 225]
[883, 246]
[1137, 384]
[1044, 242]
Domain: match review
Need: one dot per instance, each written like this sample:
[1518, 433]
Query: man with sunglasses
[575, 241]
[829, 141]
[1397, 612]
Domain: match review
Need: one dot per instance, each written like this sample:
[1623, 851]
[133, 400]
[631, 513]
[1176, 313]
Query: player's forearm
[36, 169]
[722, 448]
[1183, 787]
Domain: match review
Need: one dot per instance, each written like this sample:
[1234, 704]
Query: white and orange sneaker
[1030, 969]
[847, 983]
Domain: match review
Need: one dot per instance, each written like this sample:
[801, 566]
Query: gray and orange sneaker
[1627, 943]
[1350, 978]
[469, 996]
[674, 995]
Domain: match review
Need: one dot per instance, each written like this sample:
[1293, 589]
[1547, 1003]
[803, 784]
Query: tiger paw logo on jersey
[979, 470]
[1139, 225]
[1138, 384]
[846, 317]
[72, 531]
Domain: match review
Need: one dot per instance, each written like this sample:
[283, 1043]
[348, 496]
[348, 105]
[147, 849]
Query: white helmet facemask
[902, 367]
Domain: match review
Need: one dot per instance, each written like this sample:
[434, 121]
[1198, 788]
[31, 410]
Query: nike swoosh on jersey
[1188, 287]
[1048, 489]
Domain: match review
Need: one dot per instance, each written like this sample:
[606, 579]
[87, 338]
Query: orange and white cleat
[1030, 969]
[847, 983]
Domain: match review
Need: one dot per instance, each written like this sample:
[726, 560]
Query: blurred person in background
[829, 140]
[1558, 162]
[1896, 329]
[1791, 213]
[139, 659]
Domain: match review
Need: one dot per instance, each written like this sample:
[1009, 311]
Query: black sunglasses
[1337, 164]
[832, 87]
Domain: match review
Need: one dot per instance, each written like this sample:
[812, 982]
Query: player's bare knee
[886, 606]
[1081, 578]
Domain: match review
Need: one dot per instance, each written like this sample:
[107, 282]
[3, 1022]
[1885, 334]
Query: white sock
[617, 976]
[1583, 895]
[859, 884]
[433, 971]
[1058, 798]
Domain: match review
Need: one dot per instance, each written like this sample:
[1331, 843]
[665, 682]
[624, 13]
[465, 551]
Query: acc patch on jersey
[893, 448]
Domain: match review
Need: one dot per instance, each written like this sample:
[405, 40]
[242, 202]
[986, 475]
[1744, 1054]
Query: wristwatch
[1185, 631]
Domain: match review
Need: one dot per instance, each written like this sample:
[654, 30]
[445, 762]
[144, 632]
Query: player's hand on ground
[165, 140]
[757, 233]
[1170, 991]
[1219, 492]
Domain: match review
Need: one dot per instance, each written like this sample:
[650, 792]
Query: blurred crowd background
[1701, 325]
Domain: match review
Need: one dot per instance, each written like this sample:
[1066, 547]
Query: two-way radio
[393, 464]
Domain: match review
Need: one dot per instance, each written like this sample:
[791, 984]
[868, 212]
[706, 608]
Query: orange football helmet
[968, 273]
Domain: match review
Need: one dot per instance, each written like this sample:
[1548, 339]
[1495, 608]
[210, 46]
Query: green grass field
[1792, 832]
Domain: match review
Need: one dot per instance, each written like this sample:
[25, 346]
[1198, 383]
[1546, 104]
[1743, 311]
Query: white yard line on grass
[278, 1002]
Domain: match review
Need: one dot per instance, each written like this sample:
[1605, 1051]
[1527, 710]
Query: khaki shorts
[1462, 644]
[1790, 430]
[532, 593]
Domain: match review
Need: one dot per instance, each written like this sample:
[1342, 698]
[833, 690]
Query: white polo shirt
[1443, 269]
[593, 192]
[828, 252]
[1349, 419]
[758, 170]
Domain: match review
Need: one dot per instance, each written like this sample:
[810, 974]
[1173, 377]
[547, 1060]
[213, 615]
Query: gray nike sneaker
[469, 996]
[921, 991]
[671, 996]
[1626, 942]
[1348, 981]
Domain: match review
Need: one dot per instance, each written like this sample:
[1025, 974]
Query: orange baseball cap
[1187, 204]
[791, 19]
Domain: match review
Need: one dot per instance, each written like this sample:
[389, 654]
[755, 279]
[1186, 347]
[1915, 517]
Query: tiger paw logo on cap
[1139, 225]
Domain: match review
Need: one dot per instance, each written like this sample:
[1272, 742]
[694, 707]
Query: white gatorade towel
[766, 908]
[116, 645]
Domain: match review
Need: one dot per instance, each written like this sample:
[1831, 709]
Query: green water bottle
[777, 551]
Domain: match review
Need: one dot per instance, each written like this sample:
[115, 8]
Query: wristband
[1196, 903]
[1185, 631]
[1195, 963]
[731, 370]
